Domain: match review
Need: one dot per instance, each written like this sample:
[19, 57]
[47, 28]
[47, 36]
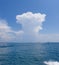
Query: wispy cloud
[6, 32]
[48, 38]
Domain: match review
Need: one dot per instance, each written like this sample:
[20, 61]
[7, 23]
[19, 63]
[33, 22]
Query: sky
[29, 20]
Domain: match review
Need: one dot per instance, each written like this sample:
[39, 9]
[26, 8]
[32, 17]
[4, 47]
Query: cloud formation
[6, 32]
[31, 22]
[48, 38]
[31, 26]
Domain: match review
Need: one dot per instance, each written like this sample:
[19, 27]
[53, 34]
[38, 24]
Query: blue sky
[9, 9]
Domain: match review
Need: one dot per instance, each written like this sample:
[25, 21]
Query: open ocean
[29, 53]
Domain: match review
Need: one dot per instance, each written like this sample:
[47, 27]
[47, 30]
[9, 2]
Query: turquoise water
[28, 53]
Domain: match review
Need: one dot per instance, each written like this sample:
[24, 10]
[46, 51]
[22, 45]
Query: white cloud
[48, 38]
[6, 32]
[31, 25]
[31, 22]
[51, 63]
[4, 26]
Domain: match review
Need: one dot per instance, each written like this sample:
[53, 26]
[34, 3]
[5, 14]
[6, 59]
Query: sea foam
[51, 62]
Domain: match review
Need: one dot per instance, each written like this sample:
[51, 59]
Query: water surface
[28, 53]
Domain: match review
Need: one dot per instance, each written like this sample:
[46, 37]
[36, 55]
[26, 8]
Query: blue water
[28, 53]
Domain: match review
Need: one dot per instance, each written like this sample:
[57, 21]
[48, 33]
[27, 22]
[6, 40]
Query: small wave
[6, 45]
[51, 62]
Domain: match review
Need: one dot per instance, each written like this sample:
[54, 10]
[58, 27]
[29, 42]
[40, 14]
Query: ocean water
[29, 53]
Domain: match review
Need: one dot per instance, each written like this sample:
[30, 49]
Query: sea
[29, 53]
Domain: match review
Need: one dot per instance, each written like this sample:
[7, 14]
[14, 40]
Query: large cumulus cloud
[31, 24]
